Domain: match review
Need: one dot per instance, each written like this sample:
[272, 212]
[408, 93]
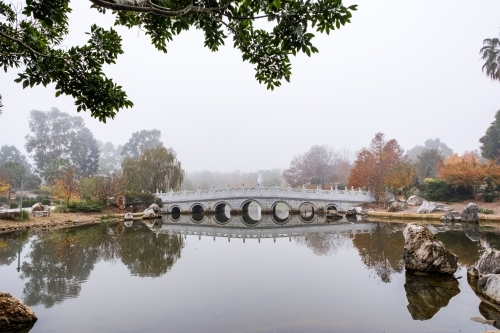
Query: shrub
[159, 202]
[61, 209]
[85, 206]
[46, 202]
[24, 216]
[43, 190]
[486, 211]
[28, 203]
[139, 199]
[14, 205]
[3, 199]
[440, 190]
[39, 198]
[489, 190]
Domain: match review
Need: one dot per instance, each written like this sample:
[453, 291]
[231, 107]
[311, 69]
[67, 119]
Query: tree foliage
[436, 144]
[141, 141]
[373, 165]
[11, 173]
[12, 154]
[467, 171]
[32, 39]
[321, 164]
[402, 176]
[490, 53]
[101, 188]
[67, 184]
[490, 142]
[57, 135]
[428, 163]
[110, 158]
[154, 169]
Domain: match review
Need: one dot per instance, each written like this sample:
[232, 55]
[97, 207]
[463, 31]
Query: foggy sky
[409, 69]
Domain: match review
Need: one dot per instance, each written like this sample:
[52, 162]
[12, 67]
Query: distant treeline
[208, 179]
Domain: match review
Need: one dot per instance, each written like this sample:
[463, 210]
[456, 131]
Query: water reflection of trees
[149, 254]
[11, 245]
[382, 250]
[60, 261]
[467, 251]
[324, 245]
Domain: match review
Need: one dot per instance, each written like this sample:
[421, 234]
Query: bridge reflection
[247, 226]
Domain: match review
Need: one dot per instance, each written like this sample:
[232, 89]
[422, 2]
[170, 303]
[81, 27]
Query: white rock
[148, 214]
[414, 200]
[427, 207]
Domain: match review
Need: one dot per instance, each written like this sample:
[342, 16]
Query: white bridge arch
[267, 197]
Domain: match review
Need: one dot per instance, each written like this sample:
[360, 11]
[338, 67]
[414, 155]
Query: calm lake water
[240, 274]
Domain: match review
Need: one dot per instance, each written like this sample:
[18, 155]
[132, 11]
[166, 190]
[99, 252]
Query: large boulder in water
[484, 277]
[14, 315]
[424, 253]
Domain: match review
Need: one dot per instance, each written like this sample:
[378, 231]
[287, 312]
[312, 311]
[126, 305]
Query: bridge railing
[249, 192]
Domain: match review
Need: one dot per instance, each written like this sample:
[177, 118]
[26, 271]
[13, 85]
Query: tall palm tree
[490, 53]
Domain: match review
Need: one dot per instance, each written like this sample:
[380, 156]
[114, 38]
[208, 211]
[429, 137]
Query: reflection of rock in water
[427, 294]
[490, 312]
[471, 230]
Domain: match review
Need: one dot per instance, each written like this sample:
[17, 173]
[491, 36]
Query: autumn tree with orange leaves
[468, 171]
[373, 165]
[402, 176]
[67, 183]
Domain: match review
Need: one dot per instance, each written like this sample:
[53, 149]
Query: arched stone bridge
[238, 199]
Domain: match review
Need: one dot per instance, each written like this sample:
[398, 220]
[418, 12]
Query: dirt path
[55, 220]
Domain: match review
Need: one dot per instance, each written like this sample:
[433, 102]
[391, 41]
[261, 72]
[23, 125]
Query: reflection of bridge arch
[266, 232]
[276, 219]
[175, 217]
[197, 218]
[248, 221]
[280, 220]
[220, 207]
[306, 215]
